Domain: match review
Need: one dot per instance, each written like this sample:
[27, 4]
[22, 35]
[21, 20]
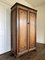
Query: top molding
[23, 6]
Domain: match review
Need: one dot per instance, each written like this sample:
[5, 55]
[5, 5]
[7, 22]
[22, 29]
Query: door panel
[22, 42]
[32, 30]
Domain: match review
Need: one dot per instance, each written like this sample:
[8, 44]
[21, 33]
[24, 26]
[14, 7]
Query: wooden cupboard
[23, 29]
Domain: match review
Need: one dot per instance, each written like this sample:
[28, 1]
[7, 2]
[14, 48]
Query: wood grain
[32, 30]
[23, 42]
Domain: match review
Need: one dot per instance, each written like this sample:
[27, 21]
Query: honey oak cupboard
[23, 29]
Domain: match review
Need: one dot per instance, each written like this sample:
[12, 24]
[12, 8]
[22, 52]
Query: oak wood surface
[23, 42]
[32, 30]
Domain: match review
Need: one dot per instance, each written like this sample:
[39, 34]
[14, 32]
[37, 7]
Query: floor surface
[39, 54]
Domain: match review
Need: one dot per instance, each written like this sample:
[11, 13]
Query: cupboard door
[32, 41]
[22, 42]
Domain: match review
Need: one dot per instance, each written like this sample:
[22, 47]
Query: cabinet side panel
[13, 31]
